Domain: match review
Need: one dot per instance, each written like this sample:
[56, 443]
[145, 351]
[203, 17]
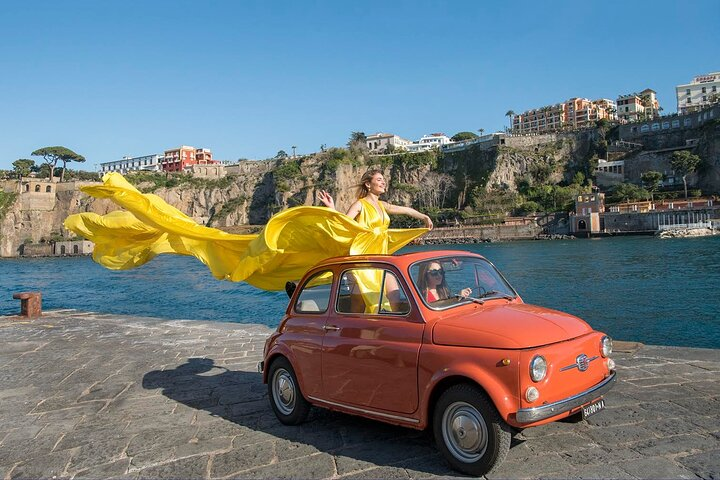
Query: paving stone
[145, 397]
[378, 472]
[51, 465]
[600, 471]
[620, 434]
[316, 466]
[243, 458]
[660, 466]
[364, 456]
[550, 465]
[203, 447]
[563, 442]
[599, 456]
[705, 464]
[193, 467]
[680, 444]
[431, 466]
[114, 469]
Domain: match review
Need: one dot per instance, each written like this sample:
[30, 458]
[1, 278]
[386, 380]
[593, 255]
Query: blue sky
[248, 78]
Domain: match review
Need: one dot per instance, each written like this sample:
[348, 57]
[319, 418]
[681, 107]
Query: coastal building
[150, 163]
[180, 159]
[428, 142]
[573, 113]
[382, 142]
[638, 106]
[704, 90]
[586, 219]
[73, 247]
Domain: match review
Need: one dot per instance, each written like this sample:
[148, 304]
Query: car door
[303, 332]
[372, 342]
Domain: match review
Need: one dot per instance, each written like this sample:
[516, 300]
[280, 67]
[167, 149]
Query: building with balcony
[428, 142]
[382, 142]
[638, 106]
[182, 158]
[150, 163]
[571, 114]
[703, 91]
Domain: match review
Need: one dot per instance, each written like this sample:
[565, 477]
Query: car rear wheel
[286, 400]
[469, 431]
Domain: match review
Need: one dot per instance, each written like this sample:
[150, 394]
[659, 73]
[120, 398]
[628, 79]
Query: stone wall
[645, 222]
[36, 250]
[670, 137]
[486, 233]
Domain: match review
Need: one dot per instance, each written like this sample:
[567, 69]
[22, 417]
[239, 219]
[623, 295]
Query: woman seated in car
[432, 284]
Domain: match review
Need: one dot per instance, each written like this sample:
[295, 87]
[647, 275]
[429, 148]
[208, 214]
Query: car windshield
[444, 282]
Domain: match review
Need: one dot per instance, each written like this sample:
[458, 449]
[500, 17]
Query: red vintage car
[435, 338]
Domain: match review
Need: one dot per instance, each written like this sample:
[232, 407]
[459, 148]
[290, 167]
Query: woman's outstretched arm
[398, 210]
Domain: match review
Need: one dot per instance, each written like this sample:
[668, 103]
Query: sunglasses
[436, 272]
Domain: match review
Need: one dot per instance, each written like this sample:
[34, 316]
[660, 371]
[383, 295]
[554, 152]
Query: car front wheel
[286, 400]
[469, 431]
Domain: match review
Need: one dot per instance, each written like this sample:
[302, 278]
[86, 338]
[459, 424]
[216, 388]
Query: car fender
[500, 388]
[279, 350]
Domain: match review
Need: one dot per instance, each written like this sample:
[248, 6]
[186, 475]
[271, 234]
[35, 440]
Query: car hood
[509, 326]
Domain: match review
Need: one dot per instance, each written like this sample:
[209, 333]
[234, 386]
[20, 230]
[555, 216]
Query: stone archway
[582, 225]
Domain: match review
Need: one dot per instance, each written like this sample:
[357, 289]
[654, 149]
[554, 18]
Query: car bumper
[535, 414]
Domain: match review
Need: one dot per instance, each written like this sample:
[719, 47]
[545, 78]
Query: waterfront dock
[89, 395]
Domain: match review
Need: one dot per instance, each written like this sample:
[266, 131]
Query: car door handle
[330, 328]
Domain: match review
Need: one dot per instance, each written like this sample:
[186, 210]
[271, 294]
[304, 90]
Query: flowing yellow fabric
[292, 241]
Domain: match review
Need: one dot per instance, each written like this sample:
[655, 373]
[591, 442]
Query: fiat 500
[433, 339]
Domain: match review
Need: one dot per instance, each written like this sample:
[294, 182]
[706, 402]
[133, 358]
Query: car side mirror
[290, 288]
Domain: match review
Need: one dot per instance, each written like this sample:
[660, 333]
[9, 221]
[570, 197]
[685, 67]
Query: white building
[428, 142]
[149, 163]
[381, 142]
[704, 90]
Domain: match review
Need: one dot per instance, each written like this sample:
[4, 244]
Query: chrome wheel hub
[464, 432]
[283, 391]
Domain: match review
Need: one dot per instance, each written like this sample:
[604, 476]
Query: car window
[449, 281]
[315, 294]
[371, 291]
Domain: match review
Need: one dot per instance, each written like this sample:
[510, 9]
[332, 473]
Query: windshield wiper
[495, 293]
[479, 301]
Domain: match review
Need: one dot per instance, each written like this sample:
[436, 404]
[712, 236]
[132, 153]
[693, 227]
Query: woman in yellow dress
[292, 241]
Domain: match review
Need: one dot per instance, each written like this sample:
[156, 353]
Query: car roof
[399, 261]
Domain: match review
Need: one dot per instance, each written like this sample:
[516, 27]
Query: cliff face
[258, 189]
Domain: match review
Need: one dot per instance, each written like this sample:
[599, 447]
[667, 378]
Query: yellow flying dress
[292, 241]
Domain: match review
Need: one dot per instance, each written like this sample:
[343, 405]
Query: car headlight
[606, 346]
[538, 368]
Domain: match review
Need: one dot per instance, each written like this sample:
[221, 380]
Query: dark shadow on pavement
[241, 397]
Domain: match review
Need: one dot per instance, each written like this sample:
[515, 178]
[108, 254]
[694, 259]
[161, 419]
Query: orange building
[574, 113]
[178, 159]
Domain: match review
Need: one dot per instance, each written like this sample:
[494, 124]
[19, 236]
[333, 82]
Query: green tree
[22, 167]
[281, 154]
[627, 192]
[357, 138]
[53, 155]
[651, 180]
[684, 163]
[462, 136]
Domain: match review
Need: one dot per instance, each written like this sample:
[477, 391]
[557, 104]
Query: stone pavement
[98, 396]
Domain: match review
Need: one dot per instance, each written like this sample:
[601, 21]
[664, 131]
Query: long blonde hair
[363, 190]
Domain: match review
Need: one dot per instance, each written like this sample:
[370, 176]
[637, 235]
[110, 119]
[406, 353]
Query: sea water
[655, 291]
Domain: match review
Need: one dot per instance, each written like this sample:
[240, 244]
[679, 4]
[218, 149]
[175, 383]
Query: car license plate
[593, 408]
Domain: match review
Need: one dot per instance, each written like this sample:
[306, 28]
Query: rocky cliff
[428, 181]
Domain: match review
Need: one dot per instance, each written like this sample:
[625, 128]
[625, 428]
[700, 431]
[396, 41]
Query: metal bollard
[30, 304]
